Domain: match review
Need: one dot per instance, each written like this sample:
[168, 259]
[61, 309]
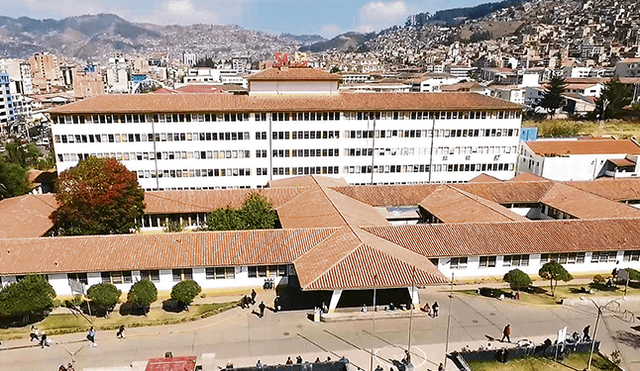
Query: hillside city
[457, 192]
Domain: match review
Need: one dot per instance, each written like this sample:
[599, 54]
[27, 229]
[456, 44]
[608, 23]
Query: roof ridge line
[547, 192]
[481, 200]
[43, 201]
[336, 208]
[296, 196]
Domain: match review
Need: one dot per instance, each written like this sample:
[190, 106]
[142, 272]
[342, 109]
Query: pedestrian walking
[427, 309]
[435, 308]
[585, 333]
[120, 333]
[34, 335]
[298, 359]
[43, 340]
[259, 365]
[506, 333]
[276, 304]
[261, 307]
[253, 296]
[70, 367]
[407, 357]
[441, 367]
[91, 336]
[289, 361]
[379, 368]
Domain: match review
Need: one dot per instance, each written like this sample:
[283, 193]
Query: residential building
[117, 75]
[579, 159]
[46, 71]
[7, 113]
[629, 67]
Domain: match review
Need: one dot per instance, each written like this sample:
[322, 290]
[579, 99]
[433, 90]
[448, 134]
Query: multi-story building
[117, 75]
[206, 141]
[7, 114]
[46, 71]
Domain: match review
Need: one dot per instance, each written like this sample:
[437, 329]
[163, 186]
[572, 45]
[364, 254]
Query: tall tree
[14, 180]
[258, 213]
[613, 98]
[552, 98]
[554, 272]
[98, 196]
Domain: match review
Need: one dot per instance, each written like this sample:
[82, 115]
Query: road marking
[326, 350]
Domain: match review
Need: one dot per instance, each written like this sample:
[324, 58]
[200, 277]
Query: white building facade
[357, 136]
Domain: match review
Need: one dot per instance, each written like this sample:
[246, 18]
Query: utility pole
[446, 347]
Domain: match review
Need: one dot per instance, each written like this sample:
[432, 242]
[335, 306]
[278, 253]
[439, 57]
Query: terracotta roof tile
[26, 216]
[158, 251]
[452, 205]
[612, 189]
[528, 177]
[584, 205]
[391, 195]
[193, 103]
[484, 178]
[582, 147]
[446, 240]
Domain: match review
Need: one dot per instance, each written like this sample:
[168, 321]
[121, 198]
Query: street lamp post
[595, 330]
[446, 347]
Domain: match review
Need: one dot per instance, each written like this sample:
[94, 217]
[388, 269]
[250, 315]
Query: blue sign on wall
[528, 134]
[138, 78]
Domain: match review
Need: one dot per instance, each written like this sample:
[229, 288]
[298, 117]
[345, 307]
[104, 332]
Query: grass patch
[618, 128]
[58, 324]
[525, 298]
[576, 361]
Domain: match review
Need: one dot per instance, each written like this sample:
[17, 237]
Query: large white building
[7, 114]
[208, 141]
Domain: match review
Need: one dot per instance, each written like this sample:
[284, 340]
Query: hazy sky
[326, 17]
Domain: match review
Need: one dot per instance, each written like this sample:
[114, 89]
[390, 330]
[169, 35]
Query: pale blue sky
[327, 17]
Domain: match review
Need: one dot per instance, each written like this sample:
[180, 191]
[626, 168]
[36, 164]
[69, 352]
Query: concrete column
[415, 296]
[335, 297]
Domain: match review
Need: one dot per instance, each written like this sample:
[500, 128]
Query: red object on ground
[172, 364]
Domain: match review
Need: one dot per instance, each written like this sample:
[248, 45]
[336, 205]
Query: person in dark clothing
[407, 357]
[261, 307]
[43, 340]
[289, 361]
[120, 332]
[34, 335]
[253, 296]
[506, 333]
[435, 308]
[585, 333]
[276, 303]
[317, 360]
[441, 367]
[298, 359]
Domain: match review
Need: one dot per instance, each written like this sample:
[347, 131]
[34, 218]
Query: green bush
[598, 279]
[31, 294]
[517, 279]
[184, 292]
[104, 294]
[143, 293]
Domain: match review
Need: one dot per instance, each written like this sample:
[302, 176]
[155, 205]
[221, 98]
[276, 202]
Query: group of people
[68, 367]
[248, 300]
[289, 361]
[432, 310]
[40, 337]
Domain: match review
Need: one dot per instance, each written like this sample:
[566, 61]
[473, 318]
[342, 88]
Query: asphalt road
[242, 337]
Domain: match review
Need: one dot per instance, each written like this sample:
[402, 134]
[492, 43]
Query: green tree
[14, 180]
[104, 294]
[517, 279]
[613, 98]
[552, 98]
[224, 219]
[554, 271]
[173, 226]
[98, 196]
[32, 294]
[257, 212]
[143, 293]
[25, 155]
[184, 292]
[634, 275]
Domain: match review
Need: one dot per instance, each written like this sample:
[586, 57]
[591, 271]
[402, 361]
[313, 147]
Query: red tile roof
[194, 103]
[293, 74]
[484, 178]
[611, 189]
[584, 205]
[157, 251]
[26, 216]
[584, 147]
[527, 177]
[172, 364]
[475, 239]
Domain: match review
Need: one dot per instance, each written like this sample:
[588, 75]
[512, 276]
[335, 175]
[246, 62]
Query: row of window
[306, 170]
[380, 169]
[165, 155]
[467, 150]
[317, 134]
[401, 151]
[562, 258]
[159, 137]
[330, 152]
[182, 274]
[199, 173]
[472, 167]
[286, 116]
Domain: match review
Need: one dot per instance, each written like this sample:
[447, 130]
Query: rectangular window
[603, 256]
[150, 275]
[182, 274]
[631, 256]
[220, 273]
[516, 260]
[117, 277]
[78, 277]
[459, 263]
[487, 261]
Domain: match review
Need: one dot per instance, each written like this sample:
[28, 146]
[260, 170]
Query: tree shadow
[628, 338]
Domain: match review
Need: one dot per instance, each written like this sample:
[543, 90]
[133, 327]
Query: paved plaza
[242, 337]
